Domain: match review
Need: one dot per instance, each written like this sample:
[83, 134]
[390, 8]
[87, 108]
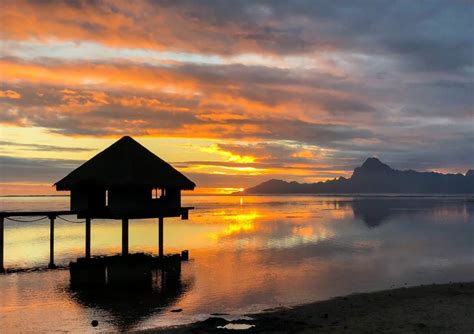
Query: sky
[233, 93]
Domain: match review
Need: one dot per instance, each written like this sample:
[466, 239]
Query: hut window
[106, 198]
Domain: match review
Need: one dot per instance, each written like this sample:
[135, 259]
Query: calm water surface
[247, 254]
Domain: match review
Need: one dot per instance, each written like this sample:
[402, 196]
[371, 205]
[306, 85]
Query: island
[375, 177]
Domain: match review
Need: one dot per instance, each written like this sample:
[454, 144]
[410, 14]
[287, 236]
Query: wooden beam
[160, 236]
[2, 268]
[88, 238]
[124, 236]
[51, 242]
[140, 214]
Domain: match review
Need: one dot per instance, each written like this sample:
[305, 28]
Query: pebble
[421, 325]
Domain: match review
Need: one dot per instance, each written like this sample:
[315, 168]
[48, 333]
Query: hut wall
[129, 200]
[170, 200]
[173, 198]
[87, 199]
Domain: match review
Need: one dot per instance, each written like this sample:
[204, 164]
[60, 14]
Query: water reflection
[126, 308]
[247, 254]
[249, 223]
[375, 212]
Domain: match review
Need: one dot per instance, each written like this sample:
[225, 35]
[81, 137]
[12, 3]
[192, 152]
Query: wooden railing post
[51, 264]
[2, 268]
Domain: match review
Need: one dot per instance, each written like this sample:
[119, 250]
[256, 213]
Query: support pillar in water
[51, 264]
[2, 268]
[124, 236]
[160, 236]
[88, 238]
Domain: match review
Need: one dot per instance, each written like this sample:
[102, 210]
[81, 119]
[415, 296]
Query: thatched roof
[126, 163]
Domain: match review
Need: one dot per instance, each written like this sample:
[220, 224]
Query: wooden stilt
[2, 268]
[124, 236]
[51, 242]
[88, 238]
[160, 236]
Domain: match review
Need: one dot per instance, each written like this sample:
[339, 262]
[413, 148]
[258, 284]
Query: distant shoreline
[34, 195]
[441, 308]
[388, 195]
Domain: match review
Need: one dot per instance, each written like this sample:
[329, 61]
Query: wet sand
[446, 308]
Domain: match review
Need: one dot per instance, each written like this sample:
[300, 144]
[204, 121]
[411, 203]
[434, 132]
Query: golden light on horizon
[213, 191]
[228, 156]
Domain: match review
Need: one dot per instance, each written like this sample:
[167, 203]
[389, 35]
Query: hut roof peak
[126, 163]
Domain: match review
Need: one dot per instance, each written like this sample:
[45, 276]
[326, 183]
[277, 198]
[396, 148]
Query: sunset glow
[233, 94]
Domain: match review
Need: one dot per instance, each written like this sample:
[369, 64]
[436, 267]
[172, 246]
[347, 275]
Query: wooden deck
[182, 212]
[52, 215]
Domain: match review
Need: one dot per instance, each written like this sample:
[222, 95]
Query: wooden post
[124, 236]
[51, 243]
[88, 238]
[160, 236]
[2, 268]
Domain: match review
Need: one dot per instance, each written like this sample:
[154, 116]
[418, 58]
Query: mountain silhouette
[373, 176]
[372, 166]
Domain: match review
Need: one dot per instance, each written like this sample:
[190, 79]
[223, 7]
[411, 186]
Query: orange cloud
[89, 74]
[82, 98]
[9, 94]
[170, 26]
[221, 93]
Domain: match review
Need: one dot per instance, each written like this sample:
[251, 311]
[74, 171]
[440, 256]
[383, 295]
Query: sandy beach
[446, 308]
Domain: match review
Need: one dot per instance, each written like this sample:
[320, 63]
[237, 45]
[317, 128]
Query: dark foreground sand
[447, 308]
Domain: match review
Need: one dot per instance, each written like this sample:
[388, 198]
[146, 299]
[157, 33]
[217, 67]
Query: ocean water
[247, 254]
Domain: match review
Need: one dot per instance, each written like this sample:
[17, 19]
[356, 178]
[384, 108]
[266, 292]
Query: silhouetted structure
[125, 181]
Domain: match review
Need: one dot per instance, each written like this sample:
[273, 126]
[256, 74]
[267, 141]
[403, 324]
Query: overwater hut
[126, 180]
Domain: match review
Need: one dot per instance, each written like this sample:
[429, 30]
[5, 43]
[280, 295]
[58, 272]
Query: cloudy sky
[236, 92]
